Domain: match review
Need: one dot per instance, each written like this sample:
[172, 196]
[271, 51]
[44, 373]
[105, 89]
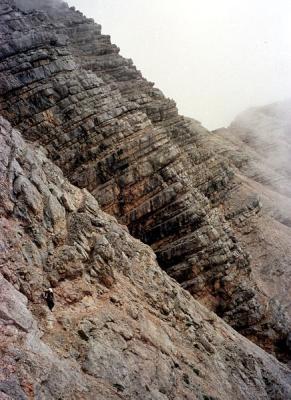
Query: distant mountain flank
[258, 145]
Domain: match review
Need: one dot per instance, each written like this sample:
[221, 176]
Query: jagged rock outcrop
[121, 328]
[65, 86]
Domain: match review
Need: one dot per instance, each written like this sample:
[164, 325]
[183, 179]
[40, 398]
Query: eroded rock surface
[65, 86]
[121, 328]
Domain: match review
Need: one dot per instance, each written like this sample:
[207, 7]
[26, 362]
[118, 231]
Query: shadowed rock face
[121, 327]
[65, 86]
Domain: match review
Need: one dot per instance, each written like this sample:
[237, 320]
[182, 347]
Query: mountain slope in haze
[258, 144]
[265, 136]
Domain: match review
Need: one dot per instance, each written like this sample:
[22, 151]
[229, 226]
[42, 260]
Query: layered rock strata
[121, 328]
[65, 86]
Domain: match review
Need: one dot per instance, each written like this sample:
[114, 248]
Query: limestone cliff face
[121, 328]
[65, 86]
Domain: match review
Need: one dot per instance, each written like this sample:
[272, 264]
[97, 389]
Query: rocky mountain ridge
[121, 328]
[65, 86]
[175, 186]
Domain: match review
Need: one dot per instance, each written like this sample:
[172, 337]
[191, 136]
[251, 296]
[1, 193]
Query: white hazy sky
[213, 57]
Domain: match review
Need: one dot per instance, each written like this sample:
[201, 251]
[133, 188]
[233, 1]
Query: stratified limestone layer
[64, 85]
[121, 327]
